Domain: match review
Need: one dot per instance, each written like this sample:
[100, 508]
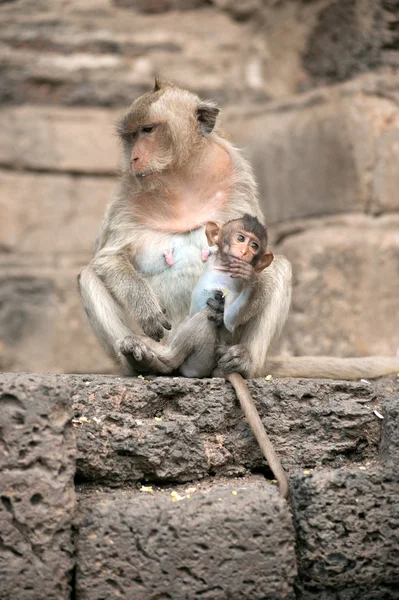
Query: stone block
[51, 214]
[326, 154]
[230, 541]
[177, 429]
[43, 324]
[37, 464]
[347, 535]
[305, 159]
[390, 431]
[345, 288]
[50, 138]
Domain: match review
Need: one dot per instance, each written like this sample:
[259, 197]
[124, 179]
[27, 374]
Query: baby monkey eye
[254, 245]
[240, 237]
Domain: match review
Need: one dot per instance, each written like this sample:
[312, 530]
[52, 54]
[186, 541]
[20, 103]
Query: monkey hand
[216, 306]
[234, 359]
[152, 321]
[240, 269]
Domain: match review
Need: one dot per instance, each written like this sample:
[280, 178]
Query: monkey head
[163, 129]
[242, 239]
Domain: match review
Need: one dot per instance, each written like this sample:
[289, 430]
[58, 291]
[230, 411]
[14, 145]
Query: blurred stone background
[309, 88]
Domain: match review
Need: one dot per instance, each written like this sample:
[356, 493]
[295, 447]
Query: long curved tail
[327, 367]
[250, 411]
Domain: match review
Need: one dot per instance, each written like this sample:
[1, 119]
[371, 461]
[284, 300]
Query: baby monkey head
[244, 239]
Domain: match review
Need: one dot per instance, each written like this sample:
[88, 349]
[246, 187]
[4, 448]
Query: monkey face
[164, 129]
[150, 149]
[243, 245]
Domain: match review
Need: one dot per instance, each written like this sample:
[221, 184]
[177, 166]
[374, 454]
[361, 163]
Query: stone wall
[174, 499]
[309, 88]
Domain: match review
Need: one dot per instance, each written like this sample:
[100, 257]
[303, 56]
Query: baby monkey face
[243, 245]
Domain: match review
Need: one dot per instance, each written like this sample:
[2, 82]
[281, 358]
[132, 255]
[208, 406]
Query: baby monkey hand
[216, 306]
[240, 269]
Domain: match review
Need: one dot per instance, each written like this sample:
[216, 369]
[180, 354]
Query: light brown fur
[194, 176]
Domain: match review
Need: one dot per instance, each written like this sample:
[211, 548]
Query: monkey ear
[158, 84]
[206, 116]
[161, 84]
[212, 231]
[264, 261]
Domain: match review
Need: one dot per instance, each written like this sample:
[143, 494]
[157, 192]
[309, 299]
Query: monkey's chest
[172, 266]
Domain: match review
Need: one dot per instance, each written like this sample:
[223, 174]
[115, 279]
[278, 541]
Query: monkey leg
[201, 336]
[191, 349]
[265, 317]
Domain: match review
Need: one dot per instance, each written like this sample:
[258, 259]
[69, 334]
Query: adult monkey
[178, 172]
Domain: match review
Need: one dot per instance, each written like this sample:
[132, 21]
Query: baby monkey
[220, 302]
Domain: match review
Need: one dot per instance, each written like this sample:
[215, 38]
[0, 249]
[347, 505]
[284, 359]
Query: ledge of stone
[176, 429]
[335, 539]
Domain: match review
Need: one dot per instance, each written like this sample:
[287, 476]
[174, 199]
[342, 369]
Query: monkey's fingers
[165, 323]
[154, 329]
[215, 304]
[216, 318]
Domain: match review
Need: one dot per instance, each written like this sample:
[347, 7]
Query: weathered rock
[347, 525]
[57, 139]
[390, 432]
[43, 326]
[52, 214]
[176, 429]
[347, 39]
[329, 152]
[345, 288]
[231, 540]
[37, 464]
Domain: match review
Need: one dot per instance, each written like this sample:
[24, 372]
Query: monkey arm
[235, 307]
[132, 293]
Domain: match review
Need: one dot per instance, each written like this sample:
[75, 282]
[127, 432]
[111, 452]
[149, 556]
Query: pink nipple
[204, 254]
[168, 257]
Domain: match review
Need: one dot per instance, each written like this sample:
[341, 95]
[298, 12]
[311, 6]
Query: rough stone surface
[58, 139]
[43, 326]
[345, 287]
[175, 429]
[337, 148]
[347, 525]
[37, 498]
[214, 544]
[390, 435]
[61, 218]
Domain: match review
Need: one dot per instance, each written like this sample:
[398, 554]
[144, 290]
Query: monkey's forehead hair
[168, 102]
[252, 225]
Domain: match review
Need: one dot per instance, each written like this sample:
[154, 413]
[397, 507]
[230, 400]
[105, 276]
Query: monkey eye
[254, 246]
[148, 129]
[240, 237]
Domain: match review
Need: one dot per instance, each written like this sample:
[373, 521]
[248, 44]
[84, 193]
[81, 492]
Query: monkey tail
[327, 367]
[252, 415]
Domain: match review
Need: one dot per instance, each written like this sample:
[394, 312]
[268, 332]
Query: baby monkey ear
[212, 230]
[264, 261]
[206, 116]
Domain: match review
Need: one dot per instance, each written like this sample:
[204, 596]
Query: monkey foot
[139, 349]
[136, 347]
